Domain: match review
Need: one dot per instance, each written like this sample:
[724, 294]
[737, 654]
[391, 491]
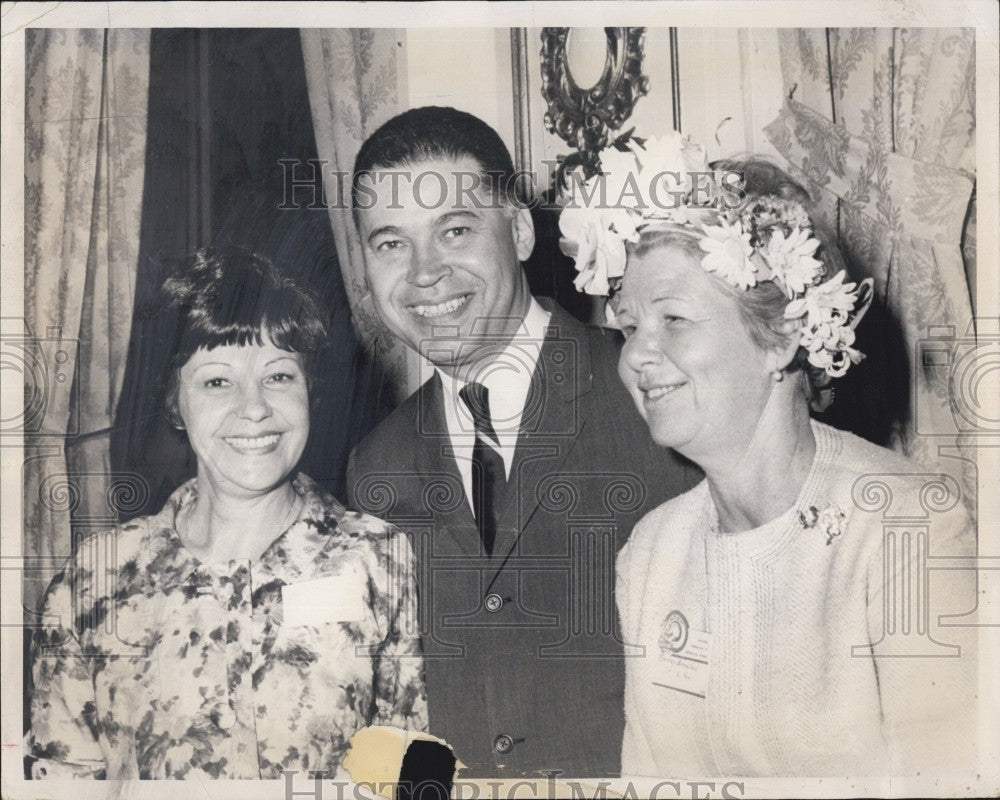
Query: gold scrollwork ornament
[585, 117]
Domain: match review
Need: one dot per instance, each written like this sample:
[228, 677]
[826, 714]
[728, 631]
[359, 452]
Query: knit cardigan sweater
[789, 617]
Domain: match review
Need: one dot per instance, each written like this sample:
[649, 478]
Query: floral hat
[666, 181]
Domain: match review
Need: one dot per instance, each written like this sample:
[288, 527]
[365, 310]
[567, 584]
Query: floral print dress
[151, 664]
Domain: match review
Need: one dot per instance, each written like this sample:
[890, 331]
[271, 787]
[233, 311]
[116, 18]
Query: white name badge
[335, 598]
[683, 664]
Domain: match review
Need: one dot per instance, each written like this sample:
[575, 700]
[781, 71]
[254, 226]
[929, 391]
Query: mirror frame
[585, 118]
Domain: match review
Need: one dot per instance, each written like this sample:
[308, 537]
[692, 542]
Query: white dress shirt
[508, 379]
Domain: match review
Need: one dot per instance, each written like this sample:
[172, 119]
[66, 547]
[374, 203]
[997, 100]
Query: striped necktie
[488, 475]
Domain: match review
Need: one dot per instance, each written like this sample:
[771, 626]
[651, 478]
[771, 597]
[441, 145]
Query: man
[518, 468]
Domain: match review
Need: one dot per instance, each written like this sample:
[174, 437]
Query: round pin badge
[673, 632]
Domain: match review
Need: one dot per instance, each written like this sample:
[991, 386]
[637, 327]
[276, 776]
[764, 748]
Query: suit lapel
[550, 425]
[435, 455]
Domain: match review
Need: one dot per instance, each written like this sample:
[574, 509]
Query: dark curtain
[550, 272]
[226, 106]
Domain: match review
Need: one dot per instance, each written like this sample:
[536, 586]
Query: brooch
[673, 632]
[831, 520]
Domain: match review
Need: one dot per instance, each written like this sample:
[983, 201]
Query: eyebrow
[212, 364]
[667, 295]
[383, 230]
[444, 219]
[276, 359]
[659, 298]
[451, 216]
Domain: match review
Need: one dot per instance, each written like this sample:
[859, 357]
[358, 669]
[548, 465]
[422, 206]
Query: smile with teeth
[656, 392]
[253, 443]
[441, 308]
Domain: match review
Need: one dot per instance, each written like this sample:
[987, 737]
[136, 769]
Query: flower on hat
[829, 310]
[666, 164]
[791, 260]
[599, 234]
[831, 300]
[769, 211]
[769, 237]
[604, 259]
[728, 253]
[663, 170]
[621, 185]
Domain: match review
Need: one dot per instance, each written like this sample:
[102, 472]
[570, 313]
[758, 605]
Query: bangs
[231, 297]
[287, 328]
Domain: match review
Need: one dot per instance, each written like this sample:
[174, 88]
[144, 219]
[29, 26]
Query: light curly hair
[762, 307]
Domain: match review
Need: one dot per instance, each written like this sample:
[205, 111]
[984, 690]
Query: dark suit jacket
[545, 668]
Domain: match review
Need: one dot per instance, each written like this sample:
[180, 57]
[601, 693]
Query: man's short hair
[436, 132]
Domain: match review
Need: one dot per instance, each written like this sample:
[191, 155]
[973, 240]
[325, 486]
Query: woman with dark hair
[766, 601]
[253, 625]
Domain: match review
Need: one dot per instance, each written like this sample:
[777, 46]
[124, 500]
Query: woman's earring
[778, 376]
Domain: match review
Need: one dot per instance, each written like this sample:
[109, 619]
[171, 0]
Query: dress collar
[171, 563]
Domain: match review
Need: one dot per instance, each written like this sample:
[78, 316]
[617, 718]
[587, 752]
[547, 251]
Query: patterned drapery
[352, 77]
[880, 124]
[85, 143]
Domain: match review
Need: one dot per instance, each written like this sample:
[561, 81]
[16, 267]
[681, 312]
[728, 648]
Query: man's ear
[782, 355]
[523, 230]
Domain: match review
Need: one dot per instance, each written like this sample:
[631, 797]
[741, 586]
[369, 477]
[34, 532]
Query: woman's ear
[170, 400]
[781, 355]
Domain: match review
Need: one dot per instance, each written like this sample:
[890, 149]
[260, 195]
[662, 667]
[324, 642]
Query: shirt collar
[508, 379]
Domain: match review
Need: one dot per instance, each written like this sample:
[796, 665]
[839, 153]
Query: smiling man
[518, 468]
[442, 255]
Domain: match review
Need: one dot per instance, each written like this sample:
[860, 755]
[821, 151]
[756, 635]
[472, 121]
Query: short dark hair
[430, 132]
[226, 296]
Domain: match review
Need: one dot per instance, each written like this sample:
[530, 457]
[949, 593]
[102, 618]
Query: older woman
[252, 625]
[761, 598]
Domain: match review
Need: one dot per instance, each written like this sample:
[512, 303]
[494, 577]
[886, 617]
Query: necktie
[488, 476]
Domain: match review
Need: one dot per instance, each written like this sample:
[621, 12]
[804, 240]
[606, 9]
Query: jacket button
[494, 602]
[223, 715]
[503, 743]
